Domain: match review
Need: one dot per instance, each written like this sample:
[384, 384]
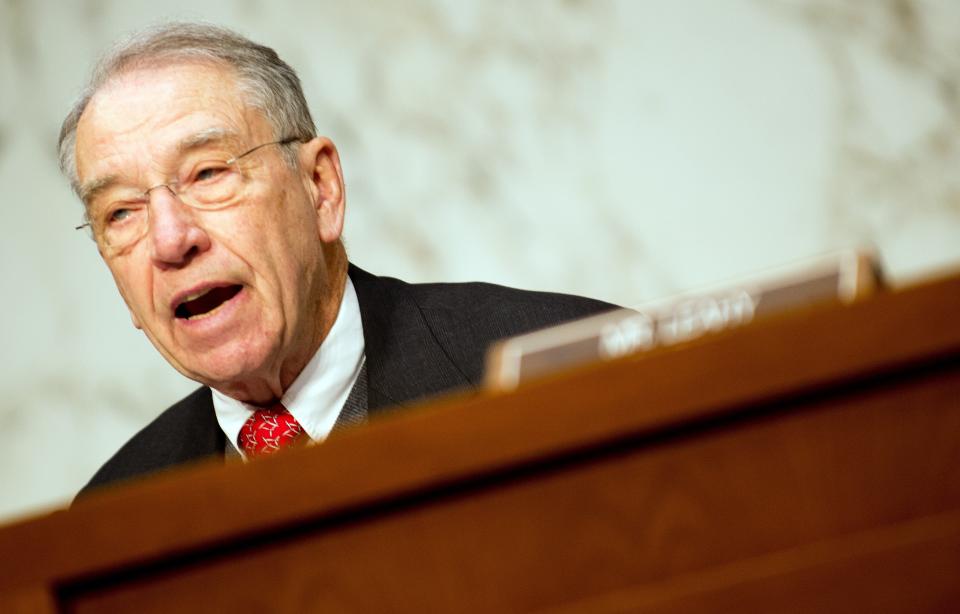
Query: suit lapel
[199, 432]
[405, 362]
[186, 432]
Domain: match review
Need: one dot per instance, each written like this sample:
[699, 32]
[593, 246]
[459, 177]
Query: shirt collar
[317, 395]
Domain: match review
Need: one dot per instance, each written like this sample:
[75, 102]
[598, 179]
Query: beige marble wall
[621, 149]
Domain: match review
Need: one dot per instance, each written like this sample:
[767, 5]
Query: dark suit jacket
[420, 340]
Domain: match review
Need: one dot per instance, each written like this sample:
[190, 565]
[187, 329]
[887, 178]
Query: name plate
[840, 277]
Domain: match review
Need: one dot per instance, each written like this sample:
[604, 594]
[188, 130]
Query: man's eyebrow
[197, 140]
[92, 188]
[208, 136]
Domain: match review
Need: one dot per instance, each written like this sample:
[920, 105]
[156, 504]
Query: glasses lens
[120, 227]
[212, 185]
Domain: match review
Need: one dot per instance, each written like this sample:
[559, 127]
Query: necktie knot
[269, 430]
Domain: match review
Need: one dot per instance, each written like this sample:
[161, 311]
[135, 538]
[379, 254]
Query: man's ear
[320, 159]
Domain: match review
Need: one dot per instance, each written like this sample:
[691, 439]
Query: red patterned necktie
[269, 430]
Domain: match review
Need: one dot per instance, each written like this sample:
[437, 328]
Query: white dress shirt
[318, 394]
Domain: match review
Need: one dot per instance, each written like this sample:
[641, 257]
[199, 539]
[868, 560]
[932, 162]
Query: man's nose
[174, 234]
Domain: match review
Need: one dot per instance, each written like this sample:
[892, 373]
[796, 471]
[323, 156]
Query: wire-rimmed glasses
[208, 184]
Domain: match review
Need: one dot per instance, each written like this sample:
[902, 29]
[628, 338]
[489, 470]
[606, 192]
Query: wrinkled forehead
[145, 113]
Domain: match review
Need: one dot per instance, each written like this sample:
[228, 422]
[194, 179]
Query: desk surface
[744, 459]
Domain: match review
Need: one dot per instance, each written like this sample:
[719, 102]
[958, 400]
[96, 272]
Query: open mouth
[205, 302]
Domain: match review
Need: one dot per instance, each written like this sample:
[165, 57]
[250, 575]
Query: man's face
[237, 298]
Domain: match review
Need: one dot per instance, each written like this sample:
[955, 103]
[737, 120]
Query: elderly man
[219, 211]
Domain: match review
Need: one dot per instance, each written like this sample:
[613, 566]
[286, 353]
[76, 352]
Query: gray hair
[266, 82]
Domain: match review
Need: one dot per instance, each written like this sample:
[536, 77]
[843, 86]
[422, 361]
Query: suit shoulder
[478, 298]
[186, 431]
[466, 318]
[525, 309]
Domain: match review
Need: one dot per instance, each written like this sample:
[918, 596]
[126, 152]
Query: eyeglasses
[209, 184]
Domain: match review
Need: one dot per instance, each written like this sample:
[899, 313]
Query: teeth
[200, 316]
[193, 297]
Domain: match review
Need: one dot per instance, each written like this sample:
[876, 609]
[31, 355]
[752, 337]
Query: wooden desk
[809, 462]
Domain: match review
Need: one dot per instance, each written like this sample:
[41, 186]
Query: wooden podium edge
[676, 386]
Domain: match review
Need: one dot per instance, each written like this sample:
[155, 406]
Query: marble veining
[897, 134]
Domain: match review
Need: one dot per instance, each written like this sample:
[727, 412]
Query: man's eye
[118, 215]
[209, 173]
